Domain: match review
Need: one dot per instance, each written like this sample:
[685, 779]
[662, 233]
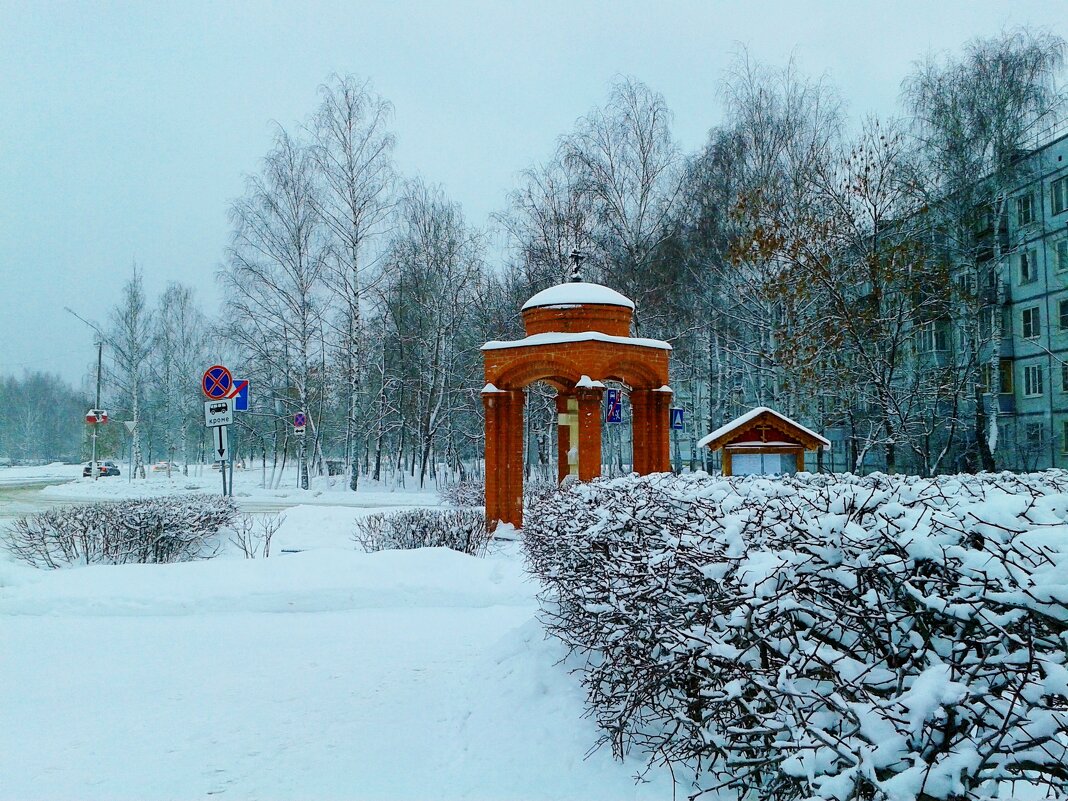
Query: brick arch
[581, 349]
[529, 368]
[638, 374]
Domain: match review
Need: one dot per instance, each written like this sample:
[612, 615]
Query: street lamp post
[99, 363]
[99, 366]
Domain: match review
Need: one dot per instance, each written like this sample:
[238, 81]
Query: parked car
[106, 469]
[161, 467]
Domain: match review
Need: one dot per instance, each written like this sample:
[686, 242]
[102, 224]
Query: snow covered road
[325, 674]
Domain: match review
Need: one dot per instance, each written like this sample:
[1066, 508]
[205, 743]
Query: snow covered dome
[578, 307]
[578, 293]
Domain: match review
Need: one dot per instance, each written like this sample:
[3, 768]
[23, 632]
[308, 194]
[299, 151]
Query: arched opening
[578, 348]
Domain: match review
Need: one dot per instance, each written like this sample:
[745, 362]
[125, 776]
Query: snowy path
[327, 674]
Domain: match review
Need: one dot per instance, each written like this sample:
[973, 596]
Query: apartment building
[1034, 406]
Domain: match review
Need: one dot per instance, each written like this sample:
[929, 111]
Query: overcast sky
[126, 128]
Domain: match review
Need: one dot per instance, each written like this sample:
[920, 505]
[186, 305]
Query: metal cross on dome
[577, 257]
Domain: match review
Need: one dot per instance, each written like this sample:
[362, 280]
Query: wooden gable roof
[764, 426]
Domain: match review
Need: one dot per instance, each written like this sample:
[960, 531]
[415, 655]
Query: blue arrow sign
[614, 412]
[676, 419]
[241, 398]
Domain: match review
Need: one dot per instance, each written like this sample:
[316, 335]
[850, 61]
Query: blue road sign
[241, 398]
[299, 420]
[676, 419]
[217, 382]
[614, 412]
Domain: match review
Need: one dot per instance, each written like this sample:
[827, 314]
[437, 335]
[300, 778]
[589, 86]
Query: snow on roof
[738, 422]
[553, 338]
[577, 293]
[588, 383]
[489, 389]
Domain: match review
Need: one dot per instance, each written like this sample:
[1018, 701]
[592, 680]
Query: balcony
[1006, 403]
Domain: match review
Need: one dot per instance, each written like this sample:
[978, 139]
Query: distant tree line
[795, 261]
[42, 419]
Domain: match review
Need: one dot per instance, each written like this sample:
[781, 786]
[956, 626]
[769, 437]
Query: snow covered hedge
[821, 636]
[174, 528]
[472, 492]
[462, 530]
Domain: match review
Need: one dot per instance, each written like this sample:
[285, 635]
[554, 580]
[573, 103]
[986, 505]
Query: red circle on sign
[216, 382]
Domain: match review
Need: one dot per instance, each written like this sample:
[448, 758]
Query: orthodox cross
[577, 257]
[763, 428]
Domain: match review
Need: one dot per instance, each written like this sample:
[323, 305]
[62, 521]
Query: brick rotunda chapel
[578, 337]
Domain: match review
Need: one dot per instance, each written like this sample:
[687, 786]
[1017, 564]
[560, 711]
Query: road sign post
[677, 425]
[221, 446]
[240, 395]
[219, 412]
[219, 388]
[95, 417]
[677, 415]
[614, 411]
[217, 382]
[221, 443]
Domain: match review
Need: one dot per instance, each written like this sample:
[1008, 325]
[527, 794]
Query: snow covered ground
[248, 489]
[20, 476]
[324, 674]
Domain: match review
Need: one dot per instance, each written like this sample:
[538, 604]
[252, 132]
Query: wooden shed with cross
[763, 441]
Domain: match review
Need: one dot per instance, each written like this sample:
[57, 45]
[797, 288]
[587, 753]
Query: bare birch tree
[275, 281]
[129, 340]
[353, 151]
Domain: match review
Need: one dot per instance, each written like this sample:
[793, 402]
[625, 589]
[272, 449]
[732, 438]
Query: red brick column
[504, 457]
[659, 418]
[589, 403]
[563, 437]
[639, 415]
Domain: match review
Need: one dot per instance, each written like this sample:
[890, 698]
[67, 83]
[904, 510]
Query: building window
[1025, 209]
[1064, 436]
[1060, 255]
[1028, 268]
[1005, 382]
[1033, 380]
[966, 284]
[1062, 314]
[1064, 377]
[932, 337]
[1032, 322]
[1058, 192]
[1035, 435]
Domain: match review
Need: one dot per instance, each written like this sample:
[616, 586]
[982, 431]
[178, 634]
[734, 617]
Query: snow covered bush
[252, 534]
[469, 492]
[472, 491]
[462, 530]
[827, 637]
[175, 528]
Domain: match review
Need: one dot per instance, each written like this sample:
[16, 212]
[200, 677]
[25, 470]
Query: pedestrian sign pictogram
[217, 382]
[614, 412]
[676, 419]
